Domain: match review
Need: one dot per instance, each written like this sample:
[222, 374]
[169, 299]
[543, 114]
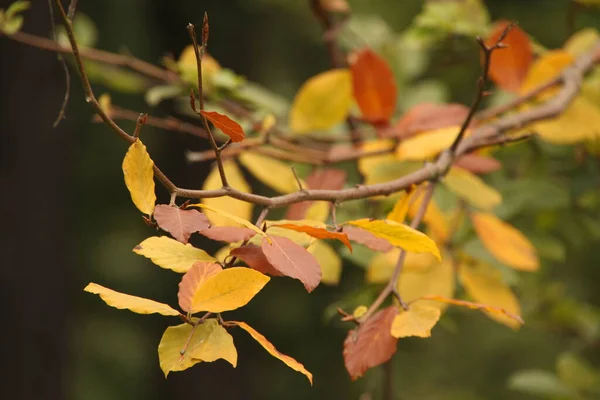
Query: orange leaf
[193, 279]
[509, 66]
[292, 260]
[319, 233]
[367, 239]
[225, 124]
[255, 258]
[180, 223]
[289, 361]
[374, 86]
[474, 306]
[371, 344]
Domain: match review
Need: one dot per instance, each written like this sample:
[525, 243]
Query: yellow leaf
[389, 170]
[399, 235]
[382, 265]
[401, 207]
[236, 180]
[207, 342]
[139, 177]
[170, 254]
[229, 289]
[318, 211]
[427, 144]
[472, 189]
[359, 311]
[579, 122]
[581, 41]
[546, 68]
[188, 68]
[329, 260]
[505, 243]
[232, 217]
[273, 173]
[289, 361]
[105, 103]
[435, 220]
[124, 301]
[436, 279]
[322, 102]
[367, 164]
[418, 320]
[483, 283]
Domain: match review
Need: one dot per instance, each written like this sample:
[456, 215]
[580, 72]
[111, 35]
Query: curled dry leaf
[171, 254]
[367, 239]
[509, 65]
[193, 280]
[371, 344]
[319, 233]
[138, 170]
[206, 342]
[228, 234]
[418, 320]
[124, 301]
[477, 164]
[427, 117]
[225, 124]
[180, 223]
[374, 86]
[255, 258]
[293, 260]
[505, 242]
[289, 361]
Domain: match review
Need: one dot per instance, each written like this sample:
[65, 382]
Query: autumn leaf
[546, 68]
[180, 223]
[228, 290]
[124, 301]
[206, 342]
[374, 86]
[236, 180]
[367, 239]
[293, 260]
[255, 258]
[472, 189]
[322, 102]
[477, 164]
[418, 320]
[581, 41]
[225, 124]
[429, 117]
[505, 242]
[399, 235]
[329, 260]
[434, 218]
[139, 177]
[382, 265]
[371, 344]
[171, 254]
[340, 6]
[232, 217]
[509, 66]
[273, 173]
[427, 144]
[366, 165]
[289, 361]
[398, 213]
[193, 280]
[580, 121]
[484, 284]
[320, 178]
[319, 233]
[228, 234]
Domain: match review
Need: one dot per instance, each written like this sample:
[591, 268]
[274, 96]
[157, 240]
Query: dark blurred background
[68, 220]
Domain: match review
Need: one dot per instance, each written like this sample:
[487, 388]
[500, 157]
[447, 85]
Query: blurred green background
[68, 220]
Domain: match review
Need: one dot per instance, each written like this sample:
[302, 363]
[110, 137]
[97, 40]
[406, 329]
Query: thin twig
[298, 181]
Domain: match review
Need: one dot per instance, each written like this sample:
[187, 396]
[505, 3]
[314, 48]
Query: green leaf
[540, 383]
[576, 372]
[157, 94]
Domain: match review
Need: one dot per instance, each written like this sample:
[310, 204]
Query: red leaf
[374, 86]
[225, 124]
[180, 223]
[228, 234]
[365, 238]
[478, 164]
[427, 116]
[293, 260]
[327, 178]
[255, 258]
[371, 344]
[318, 233]
[509, 66]
[193, 279]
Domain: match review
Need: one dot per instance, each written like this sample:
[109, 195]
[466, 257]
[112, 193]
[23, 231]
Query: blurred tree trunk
[33, 277]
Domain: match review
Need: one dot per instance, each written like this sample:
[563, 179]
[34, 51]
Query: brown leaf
[509, 66]
[254, 257]
[365, 238]
[428, 116]
[478, 164]
[293, 260]
[228, 234]
[225, 124]
[326, 178]
[318, 233]
[193, 279]
[371, 344]
[180, 223]
[374, 86]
